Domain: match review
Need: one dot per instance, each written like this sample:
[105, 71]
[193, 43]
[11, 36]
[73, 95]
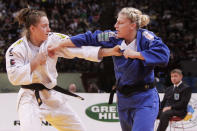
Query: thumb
[50, 51]
[49, 48]
[117, 47]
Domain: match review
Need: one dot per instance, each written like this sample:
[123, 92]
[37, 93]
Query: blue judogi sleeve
[154, 51]
[98, 38]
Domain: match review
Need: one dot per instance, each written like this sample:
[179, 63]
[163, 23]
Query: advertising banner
[94, 112]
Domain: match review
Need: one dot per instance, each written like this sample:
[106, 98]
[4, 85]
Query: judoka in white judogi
[54, 108]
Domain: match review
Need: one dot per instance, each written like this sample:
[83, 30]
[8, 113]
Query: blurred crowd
[174, 21]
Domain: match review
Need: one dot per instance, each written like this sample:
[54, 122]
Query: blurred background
[175, 21]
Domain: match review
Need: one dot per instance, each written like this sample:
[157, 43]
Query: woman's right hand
[52, 49]
[39, 59]
[116, 51]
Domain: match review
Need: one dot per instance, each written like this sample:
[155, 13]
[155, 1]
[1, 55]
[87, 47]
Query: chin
[119, 36]
[45, 38]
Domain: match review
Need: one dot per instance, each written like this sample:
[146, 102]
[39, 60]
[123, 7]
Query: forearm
[20, 75]
[104, 52]
[33, 65]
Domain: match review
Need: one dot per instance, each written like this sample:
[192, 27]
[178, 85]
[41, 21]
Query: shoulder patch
[148, 35]
[61, 35]
[18, 42]
[10, 52]
[104, 36]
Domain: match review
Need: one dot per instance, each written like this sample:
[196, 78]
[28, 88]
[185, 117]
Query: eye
[120, 22]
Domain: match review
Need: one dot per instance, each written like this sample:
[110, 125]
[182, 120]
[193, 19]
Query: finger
[119, 53]
[50, 54]
[117, 47]
[125, 55]
[50, 49]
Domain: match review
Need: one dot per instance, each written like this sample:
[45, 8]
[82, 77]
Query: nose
[49, 29]
[116, 25]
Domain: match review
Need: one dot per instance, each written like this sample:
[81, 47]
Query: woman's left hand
[129, 53]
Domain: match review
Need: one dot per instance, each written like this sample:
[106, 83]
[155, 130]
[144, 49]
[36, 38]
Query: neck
[176, 84]
[35, 42]
[131, 37]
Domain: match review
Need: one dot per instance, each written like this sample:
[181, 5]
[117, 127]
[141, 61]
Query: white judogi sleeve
[85, 52]
[19, 72]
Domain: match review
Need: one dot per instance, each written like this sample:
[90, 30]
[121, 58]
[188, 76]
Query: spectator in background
[175, 101]
[92, 88]
[72, 87]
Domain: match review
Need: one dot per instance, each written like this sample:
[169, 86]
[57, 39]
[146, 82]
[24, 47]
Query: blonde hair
[136, 16]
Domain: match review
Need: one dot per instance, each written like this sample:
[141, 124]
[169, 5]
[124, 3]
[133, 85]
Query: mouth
[117, 31]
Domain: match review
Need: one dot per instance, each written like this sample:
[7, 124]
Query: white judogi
[54, 108]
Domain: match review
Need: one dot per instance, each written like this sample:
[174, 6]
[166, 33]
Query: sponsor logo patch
[148, 35]
[18, 42]
[12, 62]
[10, 52]
[104, 36]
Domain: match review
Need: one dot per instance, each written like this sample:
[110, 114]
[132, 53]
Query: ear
[133, 26]
[32, 28]
[181, 77]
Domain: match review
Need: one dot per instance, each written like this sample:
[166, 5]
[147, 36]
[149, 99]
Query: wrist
[33, 65]
[103, 52]
[139, 56]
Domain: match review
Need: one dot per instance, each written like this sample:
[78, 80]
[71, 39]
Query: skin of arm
[104, 52]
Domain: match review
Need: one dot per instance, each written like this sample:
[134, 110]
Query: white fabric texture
[132, 45]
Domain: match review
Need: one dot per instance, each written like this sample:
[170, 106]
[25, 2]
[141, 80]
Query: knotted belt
[128, 90]
[38, 87]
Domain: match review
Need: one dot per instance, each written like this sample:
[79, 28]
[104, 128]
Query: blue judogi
[138, 111]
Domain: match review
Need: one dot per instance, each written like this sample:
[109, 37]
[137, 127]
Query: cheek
[122, 27]
[42, 32]
[173, 79]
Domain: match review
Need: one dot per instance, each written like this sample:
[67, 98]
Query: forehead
[175, 74]
[122, 17]
[43, 20]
